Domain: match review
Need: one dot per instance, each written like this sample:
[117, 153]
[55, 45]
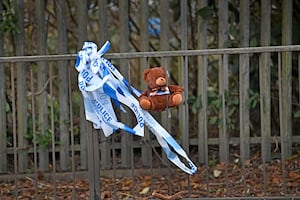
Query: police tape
[101, 83]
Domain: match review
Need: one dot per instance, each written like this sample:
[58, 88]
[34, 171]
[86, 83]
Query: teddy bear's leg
[175, 100]
[145, 104]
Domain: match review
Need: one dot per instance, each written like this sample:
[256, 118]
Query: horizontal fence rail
[127, 164]
[157, 54]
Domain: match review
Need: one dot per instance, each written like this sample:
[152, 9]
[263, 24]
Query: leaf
[217, 103]
[217, 173]
[297, 114]
[205, 12]
[145, 190]
[7, 107]
[213, 120]
[230, 113]
[294, 175]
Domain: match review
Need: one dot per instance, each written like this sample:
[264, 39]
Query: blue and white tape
[101, 83]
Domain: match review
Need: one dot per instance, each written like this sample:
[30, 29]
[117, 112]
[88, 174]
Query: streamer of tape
[101, 83]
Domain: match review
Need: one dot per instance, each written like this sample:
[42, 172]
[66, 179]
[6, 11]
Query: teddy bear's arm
[175, 88]
[144, 94]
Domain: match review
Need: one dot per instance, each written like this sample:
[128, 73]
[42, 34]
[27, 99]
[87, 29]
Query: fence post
[286, 129]
[202, 87]
[164, 46]
[265, 81]
[21, 91]
[82, 36]
[184, 74]
[244, 82]
[42, 102]
[125, 70]
[144, 14]
[265, 87]
[63, 98]
[93, 162]
[3, 137]
[286, 89]
[105, 150]
[223, 73]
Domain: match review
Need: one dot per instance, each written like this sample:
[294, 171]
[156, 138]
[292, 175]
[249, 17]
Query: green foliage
[297, 114]
[213, 161]
[9, 18]
[44, 141]
[205, 12]
[195, 103]
[7, 107]
[214, 101]
[215, 104]
[253, 99]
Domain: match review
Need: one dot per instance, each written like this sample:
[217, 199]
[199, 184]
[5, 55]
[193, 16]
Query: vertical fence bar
[286, 144]
[202, 93]
[89, 138]
[281, 114]
[90, 160]
[105, 152]
[185, 80]
[265, 88]
[21, 91]
[164, 26]
[72, 135]
[93, 162]
[96, 160]
[286, 90]
[223, 70]
[298, 57]
[124, 69]
[52, 132]
[33, 115]
[82, 22]
[14, 121]
[82, 36]
[164, 45]
[244, 89]
[63, 98]
[42, 102]
[103, 7]
[244, 81]
[3, 135]
[144, 46]
[114, 163]
[133, 186]
[184, 74]
[151, 146]
[202, 85]
[224, 126]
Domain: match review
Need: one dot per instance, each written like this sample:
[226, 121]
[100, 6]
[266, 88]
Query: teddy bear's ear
[146, 72]
[163, 68]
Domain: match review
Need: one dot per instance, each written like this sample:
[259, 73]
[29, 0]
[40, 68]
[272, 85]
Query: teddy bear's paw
[177, 99]
[145, 104]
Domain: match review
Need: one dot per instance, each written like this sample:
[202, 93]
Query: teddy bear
[159, 95]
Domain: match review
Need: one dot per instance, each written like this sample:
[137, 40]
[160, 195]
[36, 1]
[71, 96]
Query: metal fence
[68, 155]
[239, 122]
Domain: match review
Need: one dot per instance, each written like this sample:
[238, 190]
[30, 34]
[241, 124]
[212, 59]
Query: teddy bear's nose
[161, 81]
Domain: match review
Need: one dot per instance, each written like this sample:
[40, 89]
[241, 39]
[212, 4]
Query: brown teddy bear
[159, 96]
